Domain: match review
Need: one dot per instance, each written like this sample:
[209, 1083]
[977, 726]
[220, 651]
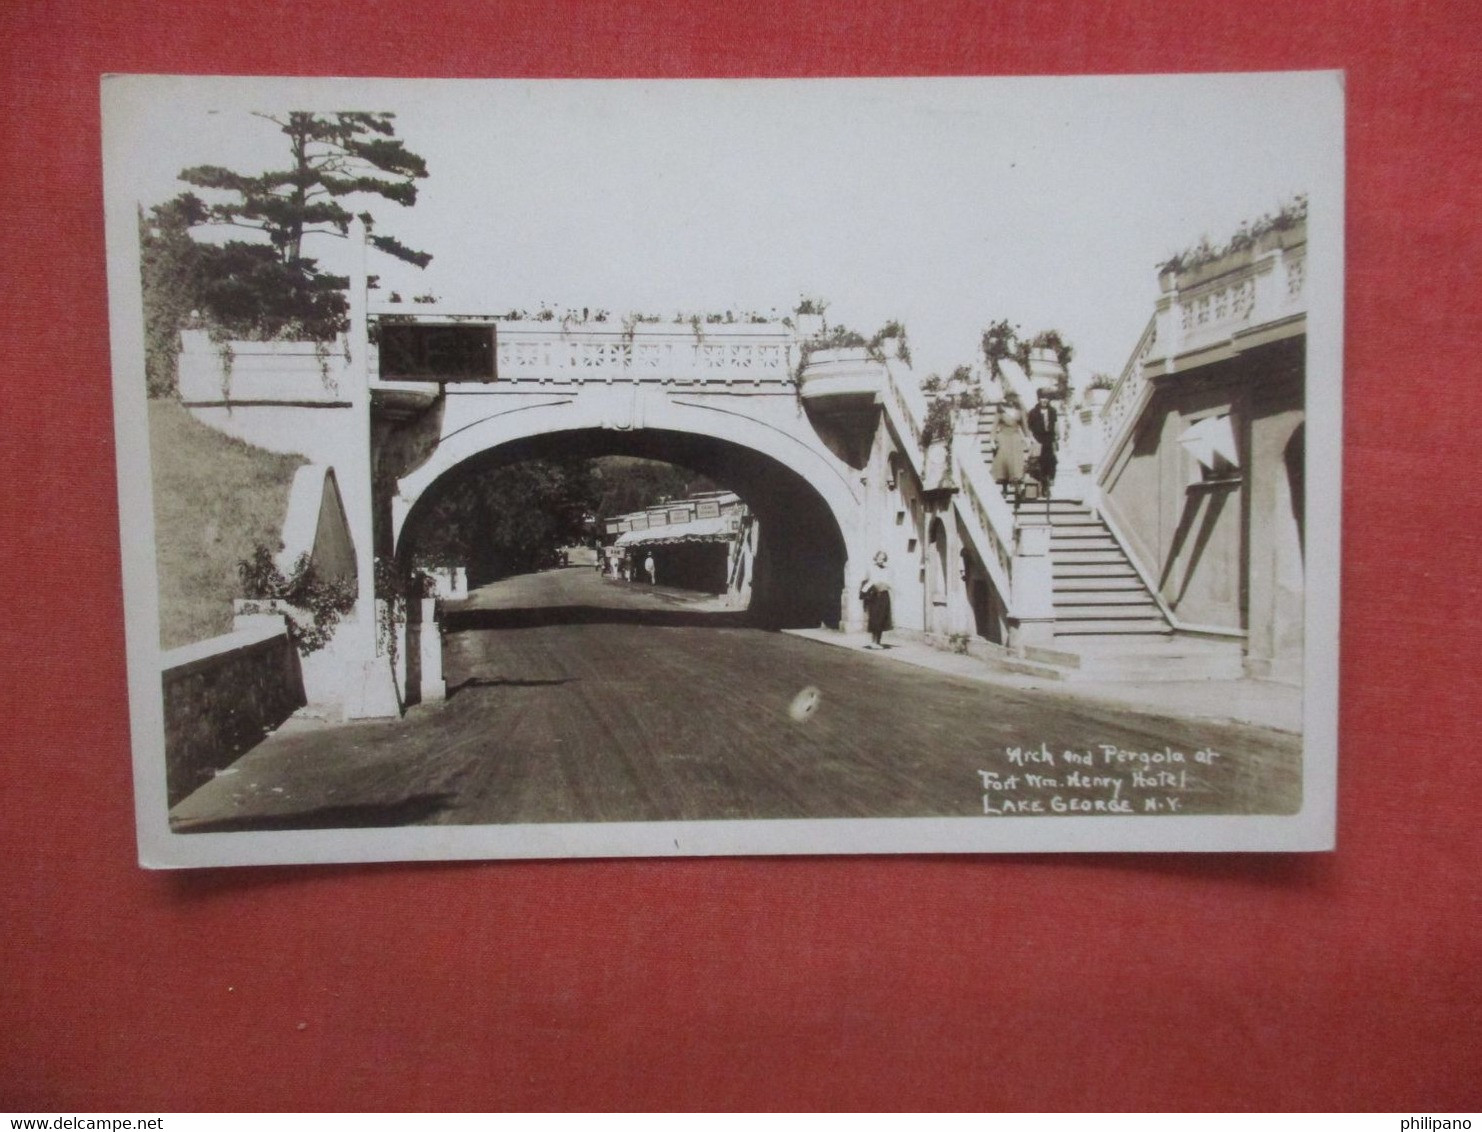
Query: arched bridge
[459, 394]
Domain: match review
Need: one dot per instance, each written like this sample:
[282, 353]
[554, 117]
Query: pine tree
[256, 289]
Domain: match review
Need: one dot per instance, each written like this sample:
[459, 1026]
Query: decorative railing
[1208, 308]
[594, 356]
[1219, 305]
[905, 417]
[547, 352]
[988, 518]
[1264, 289]
[1295, 264]
[1127, 392]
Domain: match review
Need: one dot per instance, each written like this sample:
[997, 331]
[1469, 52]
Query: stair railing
[1119, 414]
[985, 514]
[905, 407]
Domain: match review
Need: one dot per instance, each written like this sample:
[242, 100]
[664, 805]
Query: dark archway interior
[798, 577]
[1294, 457]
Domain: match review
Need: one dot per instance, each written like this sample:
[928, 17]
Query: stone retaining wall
[221, 696]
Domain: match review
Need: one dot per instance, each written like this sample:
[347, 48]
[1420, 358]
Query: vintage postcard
[579, 468]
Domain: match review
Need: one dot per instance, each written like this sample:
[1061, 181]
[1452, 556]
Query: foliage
[397, 583]
[891, 330]
[1289, 215]
[170, 271]
[332, 157]
[1101, 381]
[506, 519]
[570, 318]
[1000, 341]
[627, 483]
[937, 428]
[513, 518]
[810, 305]
[958, 394]
[215, 498]
[1051, 340]
[267, 290]
[837, 338]
[317, 603]
[246, 293]
[632, 321]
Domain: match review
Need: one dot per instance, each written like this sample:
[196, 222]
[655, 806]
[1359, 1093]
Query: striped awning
[717, 529]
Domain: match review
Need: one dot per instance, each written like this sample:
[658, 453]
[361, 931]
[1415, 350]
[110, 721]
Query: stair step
[1122, 569]
[1111, 626]
[1098, 595]
[1088, 557]
[1105, 611]
[1066, 600]
[1152, 668]
[1088, 539]
[1096, 583]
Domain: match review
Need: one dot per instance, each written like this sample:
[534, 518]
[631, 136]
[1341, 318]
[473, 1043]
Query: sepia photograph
[611, 468]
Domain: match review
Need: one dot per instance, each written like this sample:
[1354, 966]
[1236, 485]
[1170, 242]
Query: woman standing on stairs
[1008, 454]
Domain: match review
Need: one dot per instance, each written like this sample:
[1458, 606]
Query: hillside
[629, 483]
[215, 499]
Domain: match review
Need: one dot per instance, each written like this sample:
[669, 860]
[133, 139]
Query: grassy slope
[215, 498]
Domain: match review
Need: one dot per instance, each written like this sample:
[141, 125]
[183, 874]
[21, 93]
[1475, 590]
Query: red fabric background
[1351, 980]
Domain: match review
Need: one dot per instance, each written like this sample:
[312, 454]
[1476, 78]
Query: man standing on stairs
[1042, 426]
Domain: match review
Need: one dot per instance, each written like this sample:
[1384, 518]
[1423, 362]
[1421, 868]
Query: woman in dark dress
[875, 591]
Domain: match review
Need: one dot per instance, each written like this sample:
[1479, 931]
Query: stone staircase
[1107, 625]
[1098, 594]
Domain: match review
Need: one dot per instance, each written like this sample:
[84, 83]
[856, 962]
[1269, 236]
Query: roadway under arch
[802, 554]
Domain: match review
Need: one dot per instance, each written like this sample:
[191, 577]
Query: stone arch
[807, 510]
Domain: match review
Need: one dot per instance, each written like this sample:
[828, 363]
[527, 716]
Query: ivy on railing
[315, 604]
[395, 585]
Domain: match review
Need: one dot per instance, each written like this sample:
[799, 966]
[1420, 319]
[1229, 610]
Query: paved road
[575, 698]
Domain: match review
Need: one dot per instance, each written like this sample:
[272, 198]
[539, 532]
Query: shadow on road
[460, 620]
[474, 682]
[355, 815]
